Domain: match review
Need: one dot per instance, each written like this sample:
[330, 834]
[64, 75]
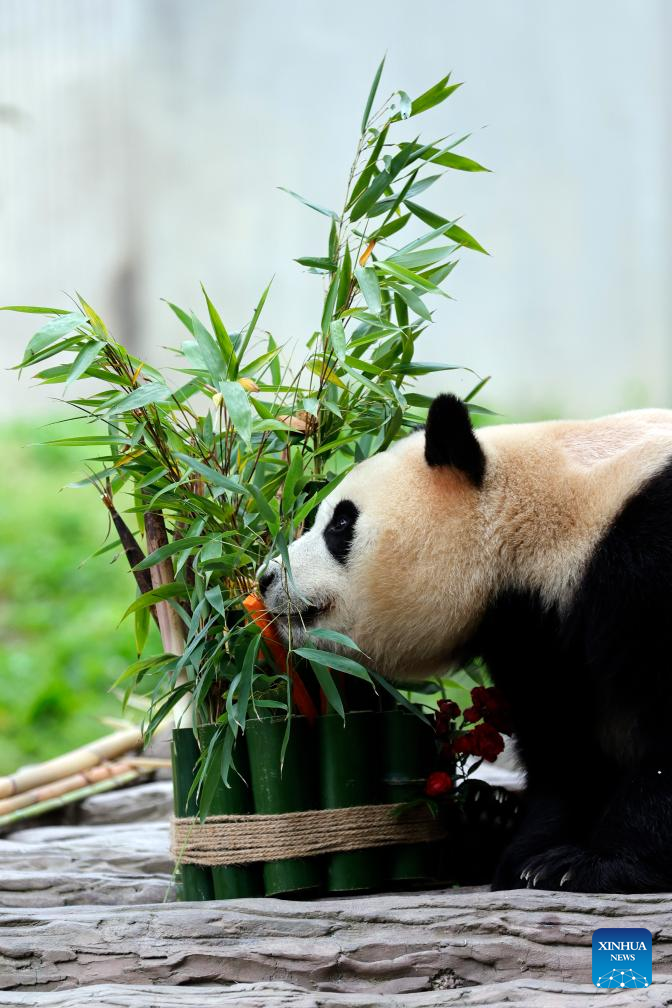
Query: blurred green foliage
[60, 645]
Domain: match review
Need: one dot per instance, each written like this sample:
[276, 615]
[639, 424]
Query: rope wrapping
[242, 839]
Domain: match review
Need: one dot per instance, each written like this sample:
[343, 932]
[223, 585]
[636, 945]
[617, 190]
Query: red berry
[438, 783]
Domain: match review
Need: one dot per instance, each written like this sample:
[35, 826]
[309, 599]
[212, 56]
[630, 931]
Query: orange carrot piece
[255, 609]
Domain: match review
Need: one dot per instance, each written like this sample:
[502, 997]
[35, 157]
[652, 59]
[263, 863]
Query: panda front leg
[628, 849]
[545, 824]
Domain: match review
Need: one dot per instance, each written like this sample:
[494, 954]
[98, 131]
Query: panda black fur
[550, 550]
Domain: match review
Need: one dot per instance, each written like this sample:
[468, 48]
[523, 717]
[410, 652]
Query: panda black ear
[450, 439]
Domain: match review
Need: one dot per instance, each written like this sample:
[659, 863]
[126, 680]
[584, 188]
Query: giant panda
[545, 548]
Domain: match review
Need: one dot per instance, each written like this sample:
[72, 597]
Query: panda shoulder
[586, 444]
[646, 434]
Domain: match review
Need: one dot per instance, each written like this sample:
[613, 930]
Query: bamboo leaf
[463, 237]
[175, 590]
[446, 158]
[213, 476]
[451, 229]
[329, 306]
[84, 358]
[329, 688]
[35, 310]
[371, 96]
[338, 339]
[51, 332]
[312, 206]
[439, 274]
[141, 629]
[238, 406]
[264, 508]
[256, 367]
[370, 288]
[324, 264]
[170, 549]
[89, 440]
[344, 278]
[245, 683]
[414, 302]
[397, 696]
[183, 316]
[253, 324]
[335, 637]
[294, 474]
[317, 499]
[433, 96]
[274, 363]
[413, 187]
[210, 351]
[336, 661]
[94, 318]
[221, 335]
[370, 195]
[423, 367]
[146, 395]
[421, 258]
[326, 374]
[407, 276]
[392, 227]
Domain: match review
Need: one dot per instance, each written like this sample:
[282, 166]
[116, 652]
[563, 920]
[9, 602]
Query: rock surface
[151, 802]
[87, 919]
[522, 993]
[391, 944]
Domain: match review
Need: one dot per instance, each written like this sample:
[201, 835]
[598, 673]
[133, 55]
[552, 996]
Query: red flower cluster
[484, 740]
[490, 706]
[438, 783]
[448, 711]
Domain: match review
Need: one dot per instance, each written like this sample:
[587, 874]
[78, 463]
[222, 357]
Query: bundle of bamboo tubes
[97, 766]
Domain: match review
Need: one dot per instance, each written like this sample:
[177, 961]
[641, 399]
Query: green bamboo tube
[408, 757]
[232, 881]
[350, 775]
[195, 882]
[290, 789]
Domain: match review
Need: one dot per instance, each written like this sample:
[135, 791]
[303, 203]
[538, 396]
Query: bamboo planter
[290, 789]
[375, 758]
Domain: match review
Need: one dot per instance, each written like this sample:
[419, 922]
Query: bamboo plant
[204, 477]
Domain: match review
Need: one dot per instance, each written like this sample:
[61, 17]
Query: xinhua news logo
[622, 957]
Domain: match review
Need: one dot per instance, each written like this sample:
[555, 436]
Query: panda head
[395, 558]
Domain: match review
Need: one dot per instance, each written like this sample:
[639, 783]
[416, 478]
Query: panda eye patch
[339, 532]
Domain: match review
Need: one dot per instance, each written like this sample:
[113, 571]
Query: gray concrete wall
[141, 143]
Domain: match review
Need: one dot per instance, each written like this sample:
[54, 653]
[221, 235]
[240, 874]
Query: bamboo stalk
[74, 782]
[170, 624]
[162, 573]
[134, 554]
[41, 808]
[87, 756]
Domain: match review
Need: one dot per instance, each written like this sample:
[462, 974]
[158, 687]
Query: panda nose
[267, 579]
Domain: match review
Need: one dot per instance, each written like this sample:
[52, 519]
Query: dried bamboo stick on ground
[148, 763]
[109, 747]
[41, 808]
[56, 788]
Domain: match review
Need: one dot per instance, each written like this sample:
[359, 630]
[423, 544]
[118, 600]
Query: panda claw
[565, 878]
[539, 875]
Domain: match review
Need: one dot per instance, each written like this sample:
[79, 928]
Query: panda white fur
[546, 548]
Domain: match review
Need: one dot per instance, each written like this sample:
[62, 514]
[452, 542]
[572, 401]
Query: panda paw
[558, 868]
